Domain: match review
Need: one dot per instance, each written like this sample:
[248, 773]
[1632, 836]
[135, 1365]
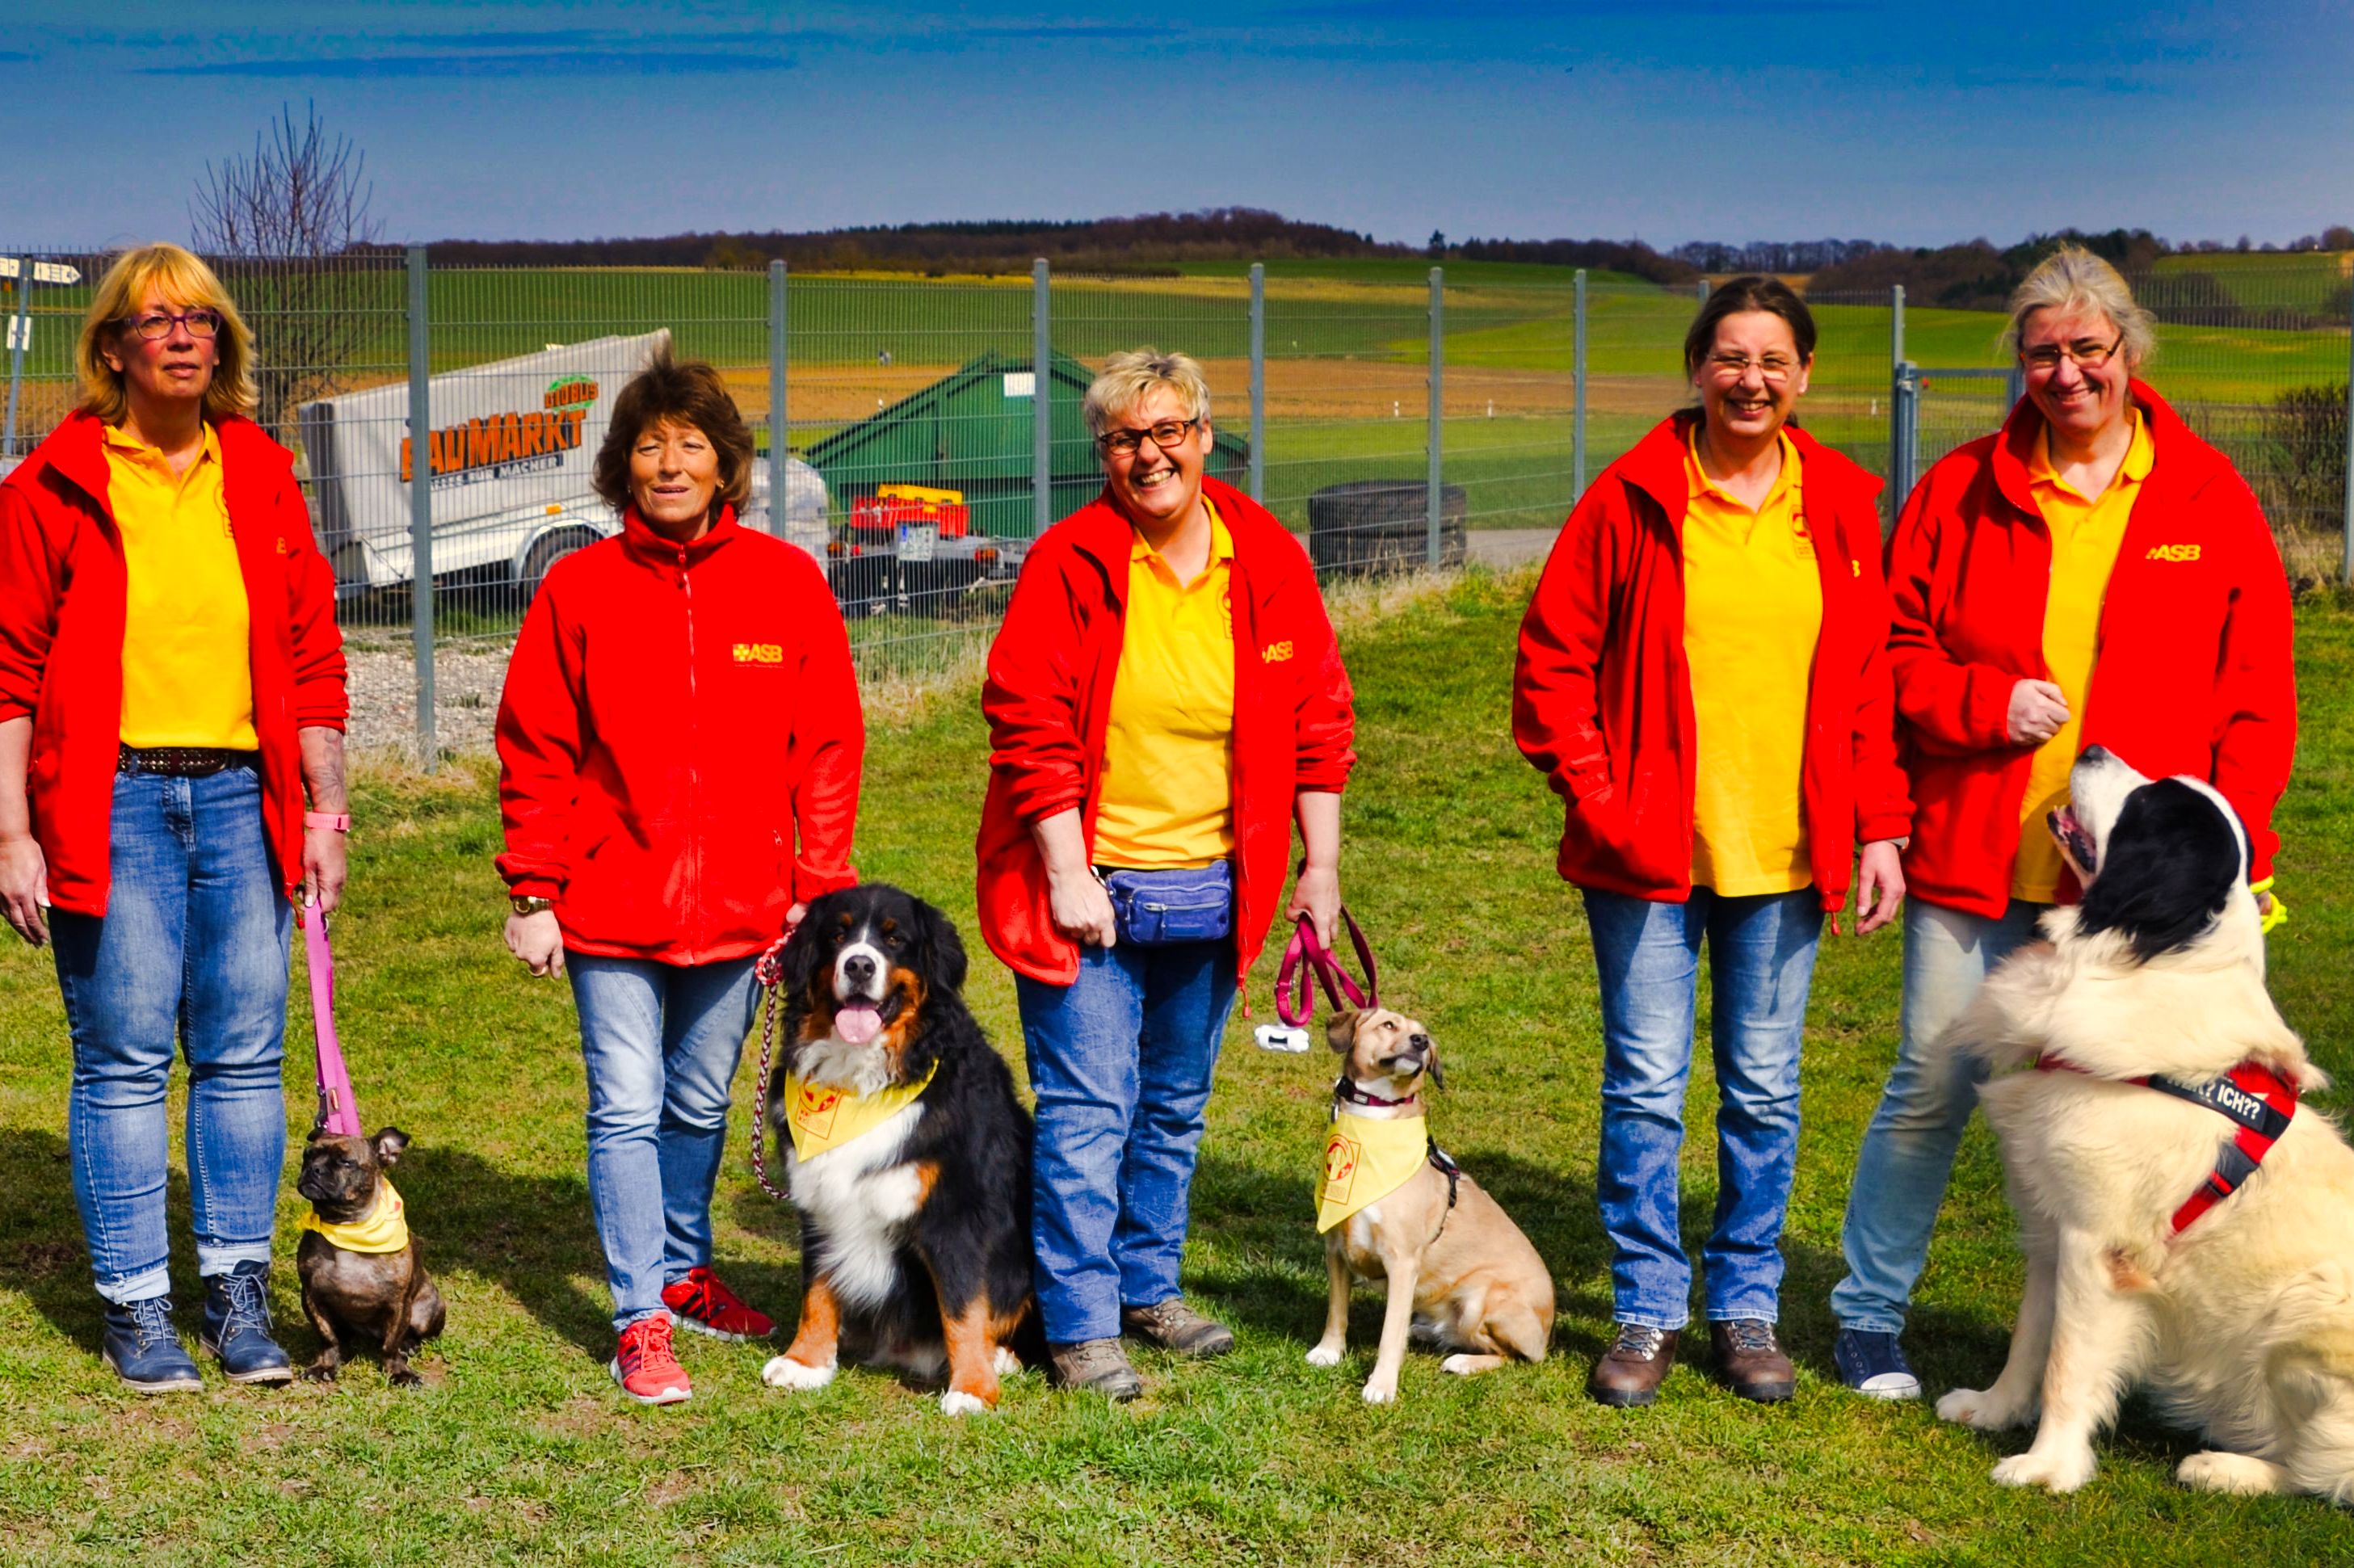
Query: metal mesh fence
[902, 442]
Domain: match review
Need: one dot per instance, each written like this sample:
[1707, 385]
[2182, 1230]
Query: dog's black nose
[1419, 1042]
[2094, 754]
[858, 969]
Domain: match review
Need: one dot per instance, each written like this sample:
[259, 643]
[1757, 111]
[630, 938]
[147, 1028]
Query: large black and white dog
[2188, 1226]
[916, 1249]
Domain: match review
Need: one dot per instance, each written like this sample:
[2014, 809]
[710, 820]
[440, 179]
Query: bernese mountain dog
[914, 1185]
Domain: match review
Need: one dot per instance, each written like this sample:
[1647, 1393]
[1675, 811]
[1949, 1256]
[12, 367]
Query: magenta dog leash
[338, 1111]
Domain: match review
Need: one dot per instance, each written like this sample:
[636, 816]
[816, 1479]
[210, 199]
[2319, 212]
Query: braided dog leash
[768, 969]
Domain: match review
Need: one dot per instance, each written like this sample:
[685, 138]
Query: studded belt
[183, 761]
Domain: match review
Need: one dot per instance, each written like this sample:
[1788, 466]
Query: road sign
[43, 271]
[20, 332]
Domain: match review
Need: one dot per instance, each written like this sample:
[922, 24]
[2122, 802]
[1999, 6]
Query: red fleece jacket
[1048, 702]
[2196, 671]
[677, 719]
[1602, 698]
[63, 588]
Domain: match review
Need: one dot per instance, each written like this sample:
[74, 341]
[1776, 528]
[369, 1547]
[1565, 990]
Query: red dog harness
[2257, 1098]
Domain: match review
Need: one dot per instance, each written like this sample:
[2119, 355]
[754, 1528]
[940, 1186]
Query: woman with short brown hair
[679, 751]
[171, 685]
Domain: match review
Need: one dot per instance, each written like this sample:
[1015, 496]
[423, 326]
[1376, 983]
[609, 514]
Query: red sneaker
[701, 1303]
[644, 1367]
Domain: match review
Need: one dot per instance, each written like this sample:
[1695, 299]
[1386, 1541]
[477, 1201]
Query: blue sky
[1670, 119]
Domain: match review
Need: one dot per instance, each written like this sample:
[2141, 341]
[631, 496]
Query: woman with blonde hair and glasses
[171, 686]
[1164, 700]
[1701, 678]
[2092, 574]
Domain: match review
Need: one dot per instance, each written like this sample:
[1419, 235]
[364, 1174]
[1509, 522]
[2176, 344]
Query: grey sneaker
[1099, 1364]
[1174, 1326]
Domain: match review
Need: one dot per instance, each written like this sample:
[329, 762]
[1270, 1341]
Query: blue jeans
[1120, 1061]
[191, 954]
[1761, 954]
[1908, 1151]
[661, 1042]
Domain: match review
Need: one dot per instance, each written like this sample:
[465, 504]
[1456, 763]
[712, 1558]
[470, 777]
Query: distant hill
[1148, 243]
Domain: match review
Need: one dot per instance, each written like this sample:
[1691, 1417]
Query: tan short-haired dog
[1392, 1207]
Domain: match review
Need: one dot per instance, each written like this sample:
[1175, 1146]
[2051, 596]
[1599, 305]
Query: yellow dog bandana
[822, 1117]
[384, 1228]
[1365, 1161]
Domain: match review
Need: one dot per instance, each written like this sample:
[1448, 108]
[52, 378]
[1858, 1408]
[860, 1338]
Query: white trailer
[509, 456]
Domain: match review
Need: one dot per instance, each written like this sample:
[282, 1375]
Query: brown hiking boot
[1632, 1369]
[1098, 1364]
[1749, 1360]
[1174, 1326]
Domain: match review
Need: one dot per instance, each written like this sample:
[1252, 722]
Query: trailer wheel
[545, 552]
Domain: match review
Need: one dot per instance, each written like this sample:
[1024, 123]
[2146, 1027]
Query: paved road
[1510, 546]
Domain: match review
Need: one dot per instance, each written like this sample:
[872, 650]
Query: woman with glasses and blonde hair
[171, 686]
[1164, 700]
[1702, 677]
[2092, 573]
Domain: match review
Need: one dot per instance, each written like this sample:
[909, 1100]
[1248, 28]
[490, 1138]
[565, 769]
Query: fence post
[1258, 382]
[1577, 414]
[2346, 558]
[780, 427]
[1041, 401]
[1895, 397]
[20, 338]
[1437, 430]
[420, 503]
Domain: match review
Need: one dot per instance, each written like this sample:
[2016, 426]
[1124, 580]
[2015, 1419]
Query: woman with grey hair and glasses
[2092, 574]
[1164, 700]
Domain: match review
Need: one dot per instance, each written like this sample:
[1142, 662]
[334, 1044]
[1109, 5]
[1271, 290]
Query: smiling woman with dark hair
[679, 752]
[1702, 679]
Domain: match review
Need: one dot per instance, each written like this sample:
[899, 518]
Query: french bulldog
[362, 1276]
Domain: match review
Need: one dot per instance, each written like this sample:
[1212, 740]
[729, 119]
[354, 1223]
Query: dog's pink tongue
[858, 1025]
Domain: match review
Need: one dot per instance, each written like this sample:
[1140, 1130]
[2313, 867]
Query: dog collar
[2258, 1099]
[1346, 1089]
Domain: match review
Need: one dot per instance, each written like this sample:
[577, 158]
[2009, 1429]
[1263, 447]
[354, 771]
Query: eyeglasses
[158, 326]
[1733, 367]
[2086, 353]
[1164, 435]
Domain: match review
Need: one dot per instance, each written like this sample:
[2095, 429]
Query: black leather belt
[183, 761]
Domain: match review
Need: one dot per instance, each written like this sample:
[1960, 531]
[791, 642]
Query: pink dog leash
[1293, 1002]
[338, 1111]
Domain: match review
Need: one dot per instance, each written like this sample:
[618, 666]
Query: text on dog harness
[2258, 1099]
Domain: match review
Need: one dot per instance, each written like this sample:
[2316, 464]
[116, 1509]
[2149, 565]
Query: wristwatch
[529, 904]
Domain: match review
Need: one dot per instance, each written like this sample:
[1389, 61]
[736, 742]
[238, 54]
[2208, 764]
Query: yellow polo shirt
[1753, 613]
[1169, 754]
[188, 670]
[2085, 537]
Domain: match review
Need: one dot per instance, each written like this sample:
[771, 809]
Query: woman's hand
[2038, 709]
[325, 860]
[25, 888]
[1081, 907]
[1879, 885]
[538, 940]
[1316, 895]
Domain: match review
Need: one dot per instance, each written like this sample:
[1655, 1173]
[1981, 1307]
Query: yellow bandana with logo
[1365, 1161]
[384, 1228]
[822, 1117]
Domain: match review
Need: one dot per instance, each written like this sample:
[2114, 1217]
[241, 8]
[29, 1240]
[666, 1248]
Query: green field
[518, 1449]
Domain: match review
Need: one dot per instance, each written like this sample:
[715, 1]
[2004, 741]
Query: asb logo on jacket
[2172, 553]
[760, 652]
[1276, 652]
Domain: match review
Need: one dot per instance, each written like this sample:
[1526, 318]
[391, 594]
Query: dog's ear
[1340, 1032]
[798, 962]
[388, 1145]
[316, 1133]
[1430, 1068]
[944, 959]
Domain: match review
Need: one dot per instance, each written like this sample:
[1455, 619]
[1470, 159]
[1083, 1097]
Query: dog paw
[405, 1378]
[1467, 1363]
[1381, 1391]
[1978, 1410]
[2057, 1472]
[956, 1402]
[783, 1371]
[319, 1375]
[1007, 1362]
[2244, 1473]
[1322, 1354]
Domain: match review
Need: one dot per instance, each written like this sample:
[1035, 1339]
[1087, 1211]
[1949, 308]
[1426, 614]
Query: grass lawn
[519, 1448]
